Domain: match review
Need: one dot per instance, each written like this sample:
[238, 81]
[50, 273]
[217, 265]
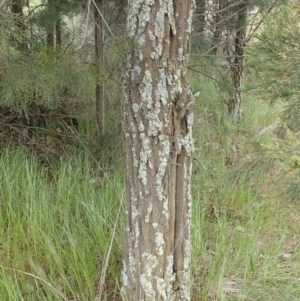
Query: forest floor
[61, 216]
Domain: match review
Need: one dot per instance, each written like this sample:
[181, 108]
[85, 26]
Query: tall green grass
[61, 226]
[243, 239]
[56, 231]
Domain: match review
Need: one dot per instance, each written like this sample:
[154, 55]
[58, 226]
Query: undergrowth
[62, 231]
[244, 234]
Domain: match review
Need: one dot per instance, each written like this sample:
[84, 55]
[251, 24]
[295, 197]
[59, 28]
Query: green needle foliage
[274, 61]
[45, 77]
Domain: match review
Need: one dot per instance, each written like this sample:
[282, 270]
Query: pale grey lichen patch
[176, 84]
[190, 19]
[145, 153]
[150, 263]
[160, 242]
[154, 55]
[167, 9]
[141, 40]
[129, 269]
[144, 16]
[166, 208]
[141, 127]
[165, 285]
[135, 160]
[161, 91]
[136, 71]
[154, 225]
[135, 108]
[185, 287]
[124, 275]
[154, 124]
[161, 287]
[163, 163]
[146, 284]
[146, 90]
[131, 127]
[187, 143]
[159, 24]
[138, 16]
[136, 233]
[157, 47]
[149, 211]
[190, 119]
[180, 54]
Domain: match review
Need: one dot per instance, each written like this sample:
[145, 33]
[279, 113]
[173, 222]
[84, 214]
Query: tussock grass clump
[55, 235]
[62, 231]
[244, 234]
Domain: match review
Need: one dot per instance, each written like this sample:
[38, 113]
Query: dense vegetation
[62, 180]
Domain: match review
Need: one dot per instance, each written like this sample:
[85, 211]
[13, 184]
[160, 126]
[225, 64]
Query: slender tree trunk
[157, 127]
[17, 8]
[58, 34]
[99, 49]
[237, 68]
[218, 27]
[200, 16]
[54, 38]
[51, 33]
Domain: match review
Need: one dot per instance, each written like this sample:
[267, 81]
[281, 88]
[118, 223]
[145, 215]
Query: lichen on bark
[157, 127]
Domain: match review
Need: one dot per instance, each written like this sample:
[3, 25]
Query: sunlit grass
[245, 246]
[56, 231]
[57, 226]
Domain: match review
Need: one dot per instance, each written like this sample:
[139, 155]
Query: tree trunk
[58, 34]
[157, 127]
[237, 68]
[99, 50]
[219, 24]
[50, 33]
[200, 17]
[17, 8]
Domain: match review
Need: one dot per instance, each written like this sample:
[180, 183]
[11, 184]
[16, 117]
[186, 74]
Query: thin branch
[86, 24]
[105, 264]
[95, 5]
[38, 278]
[260, 22]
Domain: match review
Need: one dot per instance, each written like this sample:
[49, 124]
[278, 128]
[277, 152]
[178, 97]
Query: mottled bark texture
[237, 70]
[157, 126]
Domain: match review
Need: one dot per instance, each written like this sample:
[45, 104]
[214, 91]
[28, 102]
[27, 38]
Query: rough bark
[237, 68]
[99, 50]
[157, 128]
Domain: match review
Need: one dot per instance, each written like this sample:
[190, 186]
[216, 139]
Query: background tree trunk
[200, 17]
[50, 33]
[157, 126]
[99, 49]
[219, 24]
[237, 68]
[17, 8]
